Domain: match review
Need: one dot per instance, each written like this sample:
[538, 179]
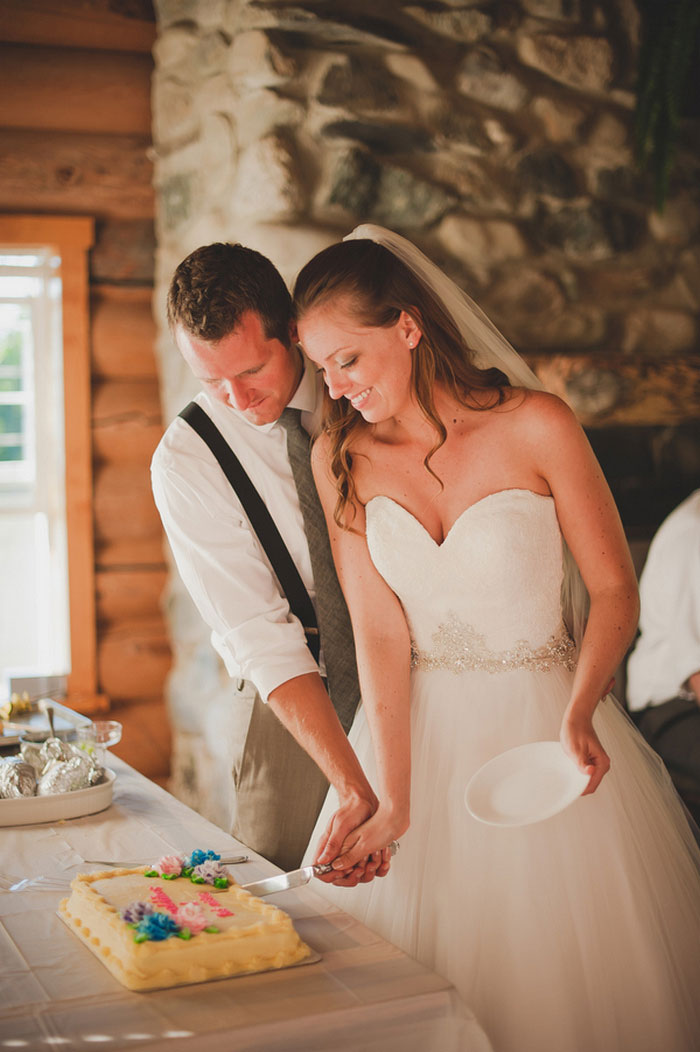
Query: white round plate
[28, 810]
[524, 785]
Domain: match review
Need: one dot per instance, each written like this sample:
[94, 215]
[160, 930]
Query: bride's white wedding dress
[581, 932]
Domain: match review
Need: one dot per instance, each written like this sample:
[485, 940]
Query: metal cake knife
[295, 879]
[285, 881]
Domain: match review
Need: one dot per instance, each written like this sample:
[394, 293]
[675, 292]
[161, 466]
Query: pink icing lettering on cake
[208, 899]
[163, 901]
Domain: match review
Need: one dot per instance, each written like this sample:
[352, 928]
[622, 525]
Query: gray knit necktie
[332, 613]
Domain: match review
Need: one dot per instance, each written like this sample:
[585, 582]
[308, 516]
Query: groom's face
[245, 370]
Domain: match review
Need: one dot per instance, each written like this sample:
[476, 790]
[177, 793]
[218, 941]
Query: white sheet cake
[157, 928]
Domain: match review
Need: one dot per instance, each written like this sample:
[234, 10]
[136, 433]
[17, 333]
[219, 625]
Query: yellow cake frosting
[251, 935]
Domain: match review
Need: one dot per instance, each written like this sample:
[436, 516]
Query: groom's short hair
[216, 284]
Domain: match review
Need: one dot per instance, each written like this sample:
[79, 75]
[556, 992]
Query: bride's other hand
[582, 744]
[371, 838]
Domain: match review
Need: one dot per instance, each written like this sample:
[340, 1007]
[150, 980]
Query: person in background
[663, 670]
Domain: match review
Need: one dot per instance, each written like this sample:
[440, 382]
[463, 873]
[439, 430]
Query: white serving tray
[29, 810]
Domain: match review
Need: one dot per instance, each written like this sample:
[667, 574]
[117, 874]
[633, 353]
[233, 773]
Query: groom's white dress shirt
[219, 558]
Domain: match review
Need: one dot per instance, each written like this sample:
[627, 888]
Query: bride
[465, 509]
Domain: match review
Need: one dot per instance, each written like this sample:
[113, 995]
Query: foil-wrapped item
[60, 767]
[17, 778]
[63, 776]
[41, 754]
[30, 752]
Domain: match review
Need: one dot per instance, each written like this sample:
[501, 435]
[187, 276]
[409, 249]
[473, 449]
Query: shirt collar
[307, 397]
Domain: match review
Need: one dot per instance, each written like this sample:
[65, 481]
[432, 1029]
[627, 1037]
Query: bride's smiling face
[370, 366]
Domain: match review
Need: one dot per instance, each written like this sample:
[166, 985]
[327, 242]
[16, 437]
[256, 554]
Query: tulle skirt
[580, 933]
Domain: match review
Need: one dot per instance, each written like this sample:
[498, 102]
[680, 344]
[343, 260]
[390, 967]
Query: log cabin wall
[500, 138]
[75, 139]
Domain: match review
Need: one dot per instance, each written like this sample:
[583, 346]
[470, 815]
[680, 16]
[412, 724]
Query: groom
[231, 316]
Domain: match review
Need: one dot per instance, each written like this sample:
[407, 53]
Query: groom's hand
[362, 873]
[353, 812]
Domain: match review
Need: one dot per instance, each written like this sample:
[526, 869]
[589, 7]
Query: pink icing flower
[170, 865]
[192, 916]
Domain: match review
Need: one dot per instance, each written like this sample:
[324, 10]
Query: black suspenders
[260, 519]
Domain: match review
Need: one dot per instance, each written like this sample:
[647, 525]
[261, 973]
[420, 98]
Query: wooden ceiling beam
[70, 89]
[79, 24]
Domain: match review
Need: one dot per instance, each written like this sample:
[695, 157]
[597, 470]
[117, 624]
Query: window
[47, 617]
[33, 562]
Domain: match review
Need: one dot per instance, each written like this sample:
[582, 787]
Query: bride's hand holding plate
[581, 743]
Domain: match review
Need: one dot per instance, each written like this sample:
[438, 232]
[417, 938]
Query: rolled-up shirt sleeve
[227, 574]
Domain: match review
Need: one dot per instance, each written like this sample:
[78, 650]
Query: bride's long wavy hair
[376, 286]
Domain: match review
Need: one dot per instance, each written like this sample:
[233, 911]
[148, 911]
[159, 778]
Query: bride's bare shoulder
[538, 411]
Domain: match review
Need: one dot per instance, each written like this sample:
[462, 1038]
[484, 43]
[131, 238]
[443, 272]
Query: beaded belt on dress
[458, 647]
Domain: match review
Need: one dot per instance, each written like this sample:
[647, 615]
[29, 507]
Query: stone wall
[499, 137]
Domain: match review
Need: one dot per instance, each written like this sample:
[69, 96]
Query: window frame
[72, 237]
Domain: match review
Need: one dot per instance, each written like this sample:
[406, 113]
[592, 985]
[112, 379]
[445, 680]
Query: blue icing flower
[157, 926]
[198, 857]
[136, 911]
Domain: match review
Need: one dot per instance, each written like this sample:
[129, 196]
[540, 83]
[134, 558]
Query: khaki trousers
[278, 788]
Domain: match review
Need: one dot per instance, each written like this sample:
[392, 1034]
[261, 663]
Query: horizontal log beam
[613, 389]
[126, 421]
[133, 661]
[75, 90]
[75, 23]
[123, 505]
[124, 252]
[146, 735]
[130, 595]
[130, 552]
[69, 173]
[123, 333]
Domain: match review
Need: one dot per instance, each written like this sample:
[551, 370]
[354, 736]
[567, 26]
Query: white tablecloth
[54, 993]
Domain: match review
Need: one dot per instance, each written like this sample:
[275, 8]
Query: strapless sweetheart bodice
[494, 582]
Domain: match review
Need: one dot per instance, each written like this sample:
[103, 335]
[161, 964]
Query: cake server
[296, 878]
[285, 881]
[226, 860]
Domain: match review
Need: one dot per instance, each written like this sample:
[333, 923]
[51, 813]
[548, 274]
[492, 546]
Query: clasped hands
[351, 842]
